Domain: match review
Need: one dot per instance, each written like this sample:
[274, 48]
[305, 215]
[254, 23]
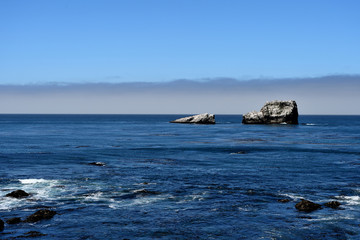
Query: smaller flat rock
[239, 152]
[285, 200]
[307, 206]
[100, 164]
[18, 194]
[40, 215]
[204, 118]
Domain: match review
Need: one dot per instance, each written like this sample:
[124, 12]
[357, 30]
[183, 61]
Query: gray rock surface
[204, 118]
[274, 112]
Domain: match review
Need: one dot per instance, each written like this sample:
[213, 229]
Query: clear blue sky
[162, 40]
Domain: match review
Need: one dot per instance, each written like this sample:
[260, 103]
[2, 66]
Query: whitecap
[350, 200]
[244, 209]
[145, 183]
[42, 189]
[33, 181]
[10, 203]
[292, 196]
[136, 202]
[95, 197]
[147, 200]
[39, 189]
[194, 197]
[332, 218]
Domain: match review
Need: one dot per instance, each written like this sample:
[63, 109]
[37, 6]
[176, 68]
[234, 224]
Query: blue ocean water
[178, 181]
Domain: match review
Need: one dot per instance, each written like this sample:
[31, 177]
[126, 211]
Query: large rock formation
[204, 118]
[274, 112]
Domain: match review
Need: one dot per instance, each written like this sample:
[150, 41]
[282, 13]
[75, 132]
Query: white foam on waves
[39, 189]
[350, 200]
[137, 202]
[32, 181]
[292, 196]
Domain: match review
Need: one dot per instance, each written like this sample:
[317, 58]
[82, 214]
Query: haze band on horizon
[327, 95]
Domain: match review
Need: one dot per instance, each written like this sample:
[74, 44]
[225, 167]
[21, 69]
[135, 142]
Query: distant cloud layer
[326, 95]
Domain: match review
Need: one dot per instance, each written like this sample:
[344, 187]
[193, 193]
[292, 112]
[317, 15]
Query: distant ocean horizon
[169, 114]
[137, 176]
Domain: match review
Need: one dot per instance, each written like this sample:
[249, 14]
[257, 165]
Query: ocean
[176, 181]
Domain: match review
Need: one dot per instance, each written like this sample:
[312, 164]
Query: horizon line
[152, 114]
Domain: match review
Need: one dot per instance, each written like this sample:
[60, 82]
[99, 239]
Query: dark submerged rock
[14, 220]
[18, 194]
[332, 204]
[32, 234]
[239, 152]
[100, 164]
[139, 193]
[285, 200]
[204, 118]
[307, 206]
[40, 215]
[305, 217]
[38, 207]
[274, 112]
[1, 225]
[145, 192]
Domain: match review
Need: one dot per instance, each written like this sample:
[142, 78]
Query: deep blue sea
[177, 181]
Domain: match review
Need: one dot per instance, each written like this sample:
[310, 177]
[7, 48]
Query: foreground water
[175, 181]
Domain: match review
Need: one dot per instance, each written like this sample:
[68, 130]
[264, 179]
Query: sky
[82, 43]
[162, 40]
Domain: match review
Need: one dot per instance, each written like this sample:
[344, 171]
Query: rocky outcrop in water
[17, 194]
[1, 225]
[139, 193]
[40, 215]
[100, 164]
[274, 112]
[14, 220]
[332, 204]
[307, 206]
[204, 118]
[32, 234]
